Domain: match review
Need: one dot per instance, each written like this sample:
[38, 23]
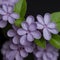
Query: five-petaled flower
[8, 14]
[29, 30]
[47, 26]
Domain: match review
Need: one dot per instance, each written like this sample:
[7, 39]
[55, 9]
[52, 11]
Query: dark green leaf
[18, 22]
[21, 7]
[41, 43]
[55, 41]
[55, 17]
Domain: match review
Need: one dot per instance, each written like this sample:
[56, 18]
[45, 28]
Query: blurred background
[35, 7]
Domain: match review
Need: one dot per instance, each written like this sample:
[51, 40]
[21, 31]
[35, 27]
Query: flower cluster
[49, 53]
[22, 38]
[12, 51]
[7, 14]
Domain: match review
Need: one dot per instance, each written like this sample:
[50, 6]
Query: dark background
[35, 7]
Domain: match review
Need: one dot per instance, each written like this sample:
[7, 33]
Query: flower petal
[11, 20]
[2, 12]
[29, 49]
[45, 57]
[40, 19]
[25, 25]
[10, 9]
[39, 26]
[5, 18]
[13, 47]
[30, 19]
[18, 57]
[47, 18]
[30, 37]
[36, 34]
[46, 34]
[51, 25]
[11, 33]
[23, 40]
[15, 16]
[10, 55]
[54, 31]
[5, 8]
[33, 27]
[3, 24]
[39, 54]
[21, 31]
[23, 53]
[16, 39]
[14, 1]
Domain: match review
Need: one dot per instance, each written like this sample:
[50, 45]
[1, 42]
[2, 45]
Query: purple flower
[7, 14]
[8, 2]
[49, 53]
[28, 31]
[12, 51]
[47, 26]
[13, 33]
[15, 37]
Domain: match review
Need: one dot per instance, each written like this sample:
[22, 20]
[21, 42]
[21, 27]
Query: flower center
[45, 26]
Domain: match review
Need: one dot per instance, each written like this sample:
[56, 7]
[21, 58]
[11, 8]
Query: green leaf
[21, 7]
[18, 22]
[55, 17]
[55, 41]
[41, 43]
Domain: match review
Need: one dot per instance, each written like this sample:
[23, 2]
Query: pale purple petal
[15, 16]
[33, 27]
[16, 39]
[39, 26]
[40, 19]
[39, 54]
[23, 40]
[23, 53]
[13, 47]
[18, 57]
[21, 31]
[11, 33]
[5, 17]
[29, 49]
[11, 20]
[30, 19]
[10, 55]
[46, 34]
[14, 27]
[3, 24]
[25, 25]
[36, 34]
[50, 55]
[51, 25]
[54, 31]
[47, 18]
[2, 12]
[5, 8]
[45, 57]
[10, 9]
[30, 37]
[14, 1]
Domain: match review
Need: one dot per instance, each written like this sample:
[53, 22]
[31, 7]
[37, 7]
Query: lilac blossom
[15, 37]
[12, 33]
[8, 14]
[47, 26]
[12, 51]
[8, 2]
[28, 31]
[49, 53]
